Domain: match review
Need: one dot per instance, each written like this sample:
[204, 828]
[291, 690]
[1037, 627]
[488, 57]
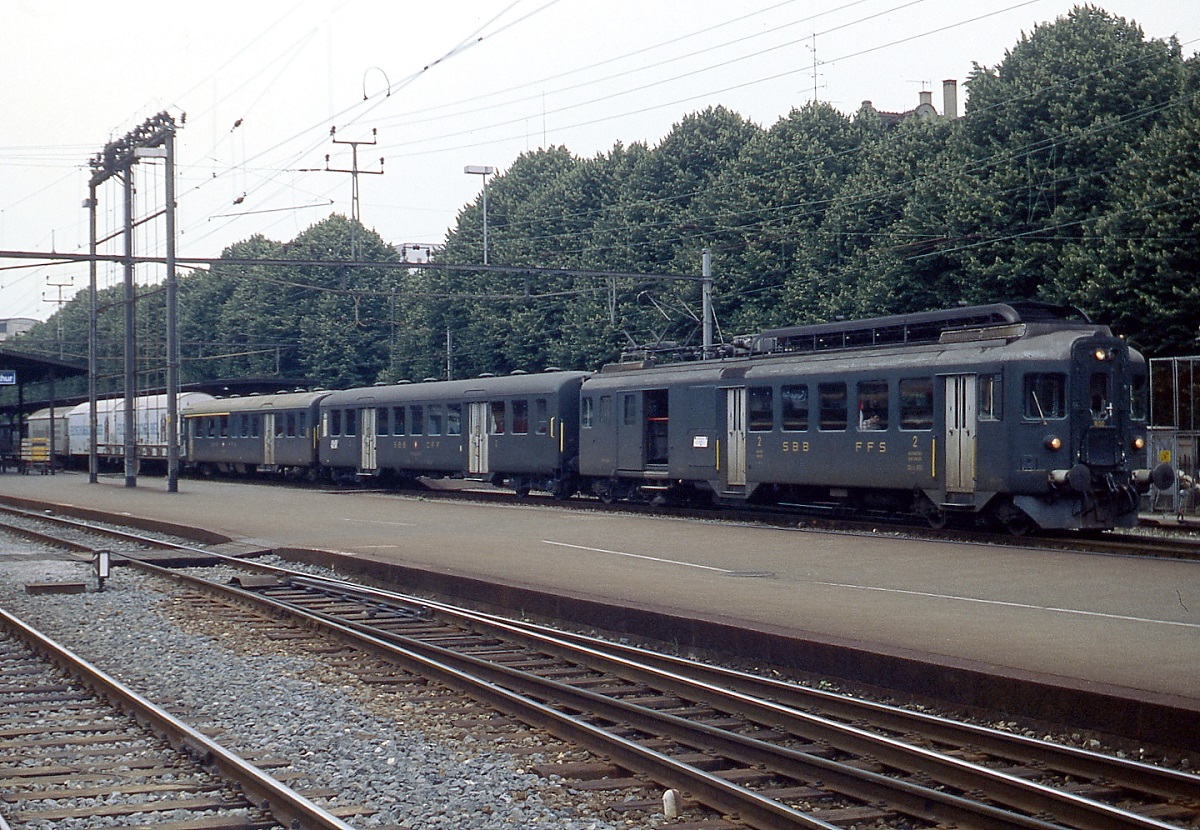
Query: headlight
[1101, 354]
[1139, 443]
[1053, 442]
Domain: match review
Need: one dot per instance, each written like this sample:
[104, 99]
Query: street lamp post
[484, 171]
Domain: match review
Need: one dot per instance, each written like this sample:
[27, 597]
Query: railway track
[76, 745]
[772, 754]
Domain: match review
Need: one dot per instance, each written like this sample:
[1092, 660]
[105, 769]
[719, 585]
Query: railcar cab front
[1085, 427]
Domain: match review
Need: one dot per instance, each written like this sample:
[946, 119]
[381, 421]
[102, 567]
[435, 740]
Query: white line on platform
[640, 556]
[1006, 604]
[377, 522]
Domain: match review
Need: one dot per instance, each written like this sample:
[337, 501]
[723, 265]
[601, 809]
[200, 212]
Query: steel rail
[88, 527]
[1018, 793]
[44, 538]
[1143, 777]
[498, 684]
[717, 793]
[287, 806]
[1136, 775]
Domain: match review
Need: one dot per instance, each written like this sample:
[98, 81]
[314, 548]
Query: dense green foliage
[1072, 177]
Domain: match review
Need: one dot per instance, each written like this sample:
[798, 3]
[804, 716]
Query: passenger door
[628, 429]
[368, 448]
[269, 438]
[477, 438]
[960, 433]
[735, 436]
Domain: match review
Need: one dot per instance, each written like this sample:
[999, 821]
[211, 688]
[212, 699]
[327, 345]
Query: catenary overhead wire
[487, 101]
[1005, 155]
[471, 40]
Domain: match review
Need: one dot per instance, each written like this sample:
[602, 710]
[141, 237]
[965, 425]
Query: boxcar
[518, 430]
[150, 426]
[1023, 413]
[37, 426]
[267, 434]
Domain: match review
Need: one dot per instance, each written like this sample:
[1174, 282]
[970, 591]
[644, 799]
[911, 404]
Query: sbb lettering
[795, 446]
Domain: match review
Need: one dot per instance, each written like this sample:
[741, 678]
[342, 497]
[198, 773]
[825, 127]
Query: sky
[258, 86]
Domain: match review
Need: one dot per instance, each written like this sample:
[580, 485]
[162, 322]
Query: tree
[1048, 127]
[760, 212]
[1138, 266]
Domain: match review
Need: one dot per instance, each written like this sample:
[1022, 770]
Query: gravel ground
[420, 774]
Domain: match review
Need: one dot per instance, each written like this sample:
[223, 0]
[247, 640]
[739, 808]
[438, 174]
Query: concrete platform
[1115, 629]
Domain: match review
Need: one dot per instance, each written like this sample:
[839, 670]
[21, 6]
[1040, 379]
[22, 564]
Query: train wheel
[605, 491]
[934, 515]
[1016, 521]
[1018, 525]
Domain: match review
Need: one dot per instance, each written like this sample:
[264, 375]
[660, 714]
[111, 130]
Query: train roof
[142, 403]
[938, 338]
[915, 329]
[254, 403]
[481, 387]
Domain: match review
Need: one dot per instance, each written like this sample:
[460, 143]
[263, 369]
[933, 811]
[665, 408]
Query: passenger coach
[1024, 413]
[268, 434]
[518, 430]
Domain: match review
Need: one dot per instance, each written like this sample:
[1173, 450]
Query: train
[72, 433]
[1025, 415]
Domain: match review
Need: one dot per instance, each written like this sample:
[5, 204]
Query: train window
[435, 420]
[833, 406]
[794, 400]
[279, 425]
[872, 405]
[302, 424]
[657, 405]
[210, 425]
[916, 403]
[454, 419]
[520, 417]
[1045, 395]
[498, 417]
[629, 409]
[335, 422]
[1137, 398]
[606, 409]
[256, 426]
[1100, 396]
[352, 422]
[587, 413]
[760, 408]
[224, 426]
[398, 420]
[382, 427]
[416, 422]
[991, 398]
[291, 424]
[541, 416]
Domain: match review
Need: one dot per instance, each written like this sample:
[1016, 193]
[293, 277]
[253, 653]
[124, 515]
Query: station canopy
[21, 369]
